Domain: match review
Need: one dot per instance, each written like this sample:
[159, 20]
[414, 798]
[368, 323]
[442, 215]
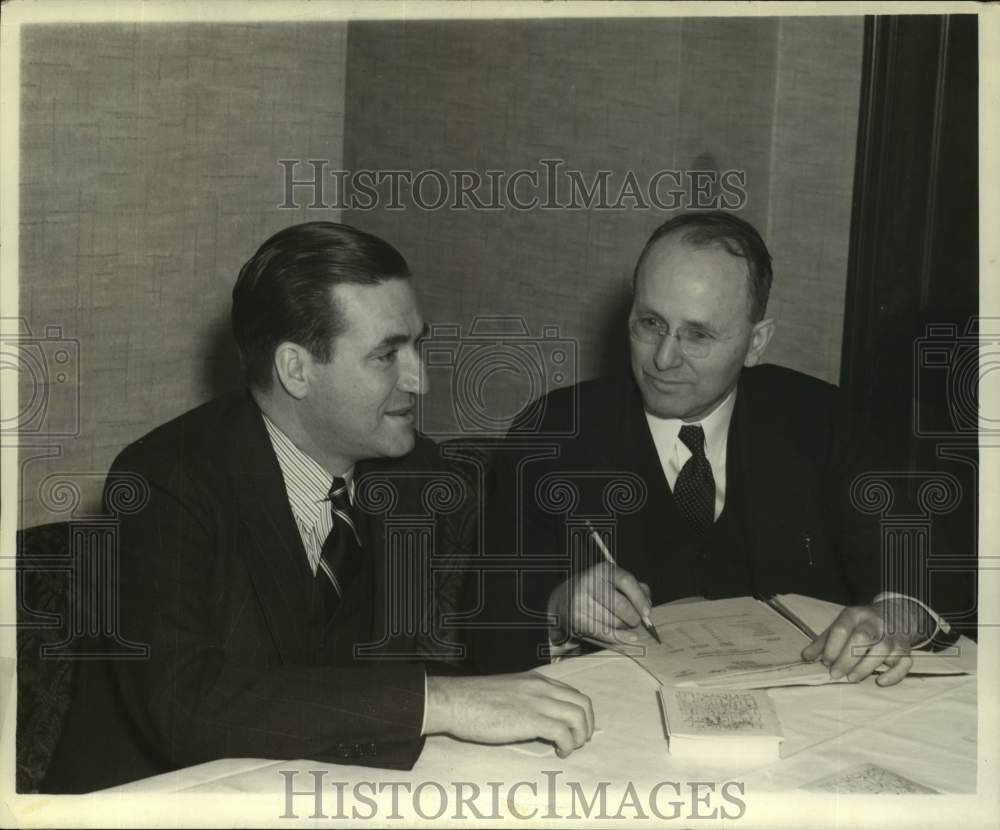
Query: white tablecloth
[923, 729]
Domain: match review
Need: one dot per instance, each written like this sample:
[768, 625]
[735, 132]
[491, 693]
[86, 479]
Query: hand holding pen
[602, 604]
[644, 610]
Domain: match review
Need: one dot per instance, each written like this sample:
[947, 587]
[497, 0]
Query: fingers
[831, 642]
[603, 627]
[856, 645]
[815, 648]
[890, 651]
[837, 636]
[555, 731]
[506, 708]
[859, 656]
[632, 590]
[604, 591]
[581, 699]
[626, 612]
[871, 660]
[603, 600]
[565, 724]
[901, 665]
[567, 716]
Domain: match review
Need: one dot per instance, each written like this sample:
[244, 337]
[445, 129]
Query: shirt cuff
[559, 650]
[941, 625]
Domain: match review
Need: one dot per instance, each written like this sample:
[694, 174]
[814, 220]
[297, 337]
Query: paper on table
[539, 749]
[868, 779]
[715, 640]
[743, 643]
[819, 614]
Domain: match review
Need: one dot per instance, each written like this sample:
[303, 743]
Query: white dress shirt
[674, 453]
[307, 485]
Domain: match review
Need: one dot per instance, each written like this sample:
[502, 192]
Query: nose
[413, 374]
[668, 353]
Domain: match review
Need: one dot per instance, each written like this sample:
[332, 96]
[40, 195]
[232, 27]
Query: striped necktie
[341, 557]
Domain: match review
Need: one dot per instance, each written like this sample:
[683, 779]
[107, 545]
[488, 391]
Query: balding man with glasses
[712, 476]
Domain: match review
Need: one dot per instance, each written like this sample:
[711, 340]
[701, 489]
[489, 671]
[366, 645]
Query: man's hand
[509, 707]
[863, 637]
[602, 603]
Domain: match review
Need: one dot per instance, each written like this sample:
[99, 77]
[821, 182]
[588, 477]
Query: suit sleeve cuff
[942, 626]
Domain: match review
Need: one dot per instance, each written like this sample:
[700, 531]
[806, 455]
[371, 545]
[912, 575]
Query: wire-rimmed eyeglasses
[652, 330]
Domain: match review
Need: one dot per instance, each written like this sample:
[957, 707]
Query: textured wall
[812, 177]
[776, 99]
[148, 176]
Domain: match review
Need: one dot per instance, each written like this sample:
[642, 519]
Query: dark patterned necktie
[341, 557]
[694, 490]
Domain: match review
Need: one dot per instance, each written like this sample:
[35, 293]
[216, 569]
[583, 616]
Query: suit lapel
[268, 535]
[630, 447]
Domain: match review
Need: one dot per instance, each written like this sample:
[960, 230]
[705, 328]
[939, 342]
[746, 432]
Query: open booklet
[754, 644]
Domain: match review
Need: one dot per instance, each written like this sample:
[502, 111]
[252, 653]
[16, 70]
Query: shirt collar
[306, 481]
[715, 425]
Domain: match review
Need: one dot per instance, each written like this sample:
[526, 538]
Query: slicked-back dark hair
[736, 236]
[284, 292]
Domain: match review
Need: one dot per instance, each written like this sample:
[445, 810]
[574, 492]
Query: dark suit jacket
[214, 579]
[791, 445]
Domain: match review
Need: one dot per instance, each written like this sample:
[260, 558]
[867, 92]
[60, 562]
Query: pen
[647, 623]
[789, 615]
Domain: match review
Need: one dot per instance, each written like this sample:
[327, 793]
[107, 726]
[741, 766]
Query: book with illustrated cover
[736, 727]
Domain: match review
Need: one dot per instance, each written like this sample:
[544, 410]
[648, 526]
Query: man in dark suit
[254, 555]
[708, 474]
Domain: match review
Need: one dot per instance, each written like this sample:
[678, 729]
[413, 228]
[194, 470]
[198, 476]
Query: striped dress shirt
[308, 487]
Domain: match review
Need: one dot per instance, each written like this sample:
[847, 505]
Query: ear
[761, 336]
[291, 366]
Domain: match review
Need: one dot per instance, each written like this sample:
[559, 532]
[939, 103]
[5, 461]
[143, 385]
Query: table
[923, 730]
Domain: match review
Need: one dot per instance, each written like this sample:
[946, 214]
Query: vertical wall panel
[812, 180]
